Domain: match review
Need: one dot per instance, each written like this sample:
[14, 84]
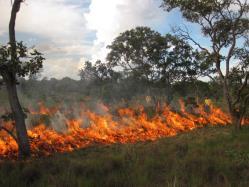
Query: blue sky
[69, 32]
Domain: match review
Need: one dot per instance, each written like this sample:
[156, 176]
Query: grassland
[213, 156]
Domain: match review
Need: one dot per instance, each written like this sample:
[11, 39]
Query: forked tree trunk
[18, 115]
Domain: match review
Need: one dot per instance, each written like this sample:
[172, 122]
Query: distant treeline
[67, 90]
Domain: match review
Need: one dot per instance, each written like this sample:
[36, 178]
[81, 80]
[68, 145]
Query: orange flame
[127, 126]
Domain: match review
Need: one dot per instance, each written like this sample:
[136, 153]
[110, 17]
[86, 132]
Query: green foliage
[137, 52]
[97, 72]
[144, 54]
[26, 61]
[181, 62]
[225, 23]
[242, 156]
[142, 60]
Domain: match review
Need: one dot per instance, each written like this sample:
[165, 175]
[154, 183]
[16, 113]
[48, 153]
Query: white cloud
[61, 28]
[57, 27]
[111, 17]
[49, 18]
[59, 68]
[53, 48]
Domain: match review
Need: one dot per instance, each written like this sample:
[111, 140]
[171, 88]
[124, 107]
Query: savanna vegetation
[207, 157]
[143, 67]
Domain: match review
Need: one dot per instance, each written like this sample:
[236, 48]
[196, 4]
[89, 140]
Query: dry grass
[213, 156]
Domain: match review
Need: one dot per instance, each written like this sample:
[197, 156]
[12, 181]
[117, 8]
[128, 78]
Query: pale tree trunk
[18, 115]
[10, 79]
[236, 116]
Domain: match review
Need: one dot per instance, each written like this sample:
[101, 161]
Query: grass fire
[125, 125]
[124, 93]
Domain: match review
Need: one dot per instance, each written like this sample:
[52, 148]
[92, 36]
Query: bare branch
[212, 78]
[185, 35]
[230, 54]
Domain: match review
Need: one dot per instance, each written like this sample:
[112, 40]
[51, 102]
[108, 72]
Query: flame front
[127, 126]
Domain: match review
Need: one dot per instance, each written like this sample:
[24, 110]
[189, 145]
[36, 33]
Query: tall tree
[97, 72]
[145, 54]
[16, 60]
[225, 23]
[181, 62]
[137, 52]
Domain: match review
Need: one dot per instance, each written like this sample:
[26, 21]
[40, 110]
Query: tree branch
[234, 35]
[185, 35]
[241, 89]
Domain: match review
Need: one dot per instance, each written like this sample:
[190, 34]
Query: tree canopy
[144, 53]
[26, 61]
[225, 23]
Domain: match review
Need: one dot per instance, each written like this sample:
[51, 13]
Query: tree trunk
[237, 120]
[168, 90]
[168, 93]
[236, 116]
[18, 115]
[196, 92]
[10, 79]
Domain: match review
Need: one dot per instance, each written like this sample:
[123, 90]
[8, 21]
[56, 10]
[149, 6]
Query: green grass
[205, 157]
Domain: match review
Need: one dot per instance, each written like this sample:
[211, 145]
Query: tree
[181, 62]
[226, 25]
[239, 80]
[100, 79]
[16, 60]
[137, 52]
[97, 72]
[147, 55]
